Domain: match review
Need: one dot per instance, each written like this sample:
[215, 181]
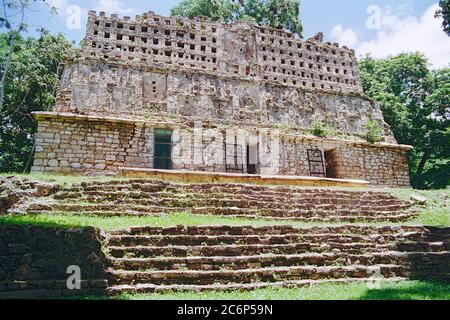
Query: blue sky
[379, 27]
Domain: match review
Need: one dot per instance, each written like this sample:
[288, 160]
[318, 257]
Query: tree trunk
[30, 158]
[5, 70]
[423, 161]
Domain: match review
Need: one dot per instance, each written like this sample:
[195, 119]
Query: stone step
[158, 240]
[312, 195]
[273, 274]
[87, 208]
[272, 260]
[142, 288]
[195, 257]
[334, 219]
[300, 210]
[294, 215]
[205, 187]
[241, 195]
[224, 200]
[234, 200]
[278, 229]
[255, 249]
[214, 207]
[308, 216]
[103, 213]
[162, 211]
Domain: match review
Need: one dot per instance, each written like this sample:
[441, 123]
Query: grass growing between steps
[430, 217]
[406, 290]
[436, 211]
[111, 223]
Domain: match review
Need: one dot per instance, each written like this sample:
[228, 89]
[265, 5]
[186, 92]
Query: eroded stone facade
[215, 86]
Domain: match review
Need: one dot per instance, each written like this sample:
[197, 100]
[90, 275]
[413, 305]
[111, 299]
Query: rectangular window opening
[162, 158]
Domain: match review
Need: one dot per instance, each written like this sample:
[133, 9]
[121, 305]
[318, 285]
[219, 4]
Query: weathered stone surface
[419, 199]
[15, 191]
[34, 260]
[149, 259]
[214, 85]
[153, 197]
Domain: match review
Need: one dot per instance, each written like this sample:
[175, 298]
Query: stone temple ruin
[172, 93]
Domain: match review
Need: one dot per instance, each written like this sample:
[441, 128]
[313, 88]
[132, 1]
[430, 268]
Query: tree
[280, 14]
[35, 69]
[13, 20]
[415, 103]
[444, 12]
[217, 10]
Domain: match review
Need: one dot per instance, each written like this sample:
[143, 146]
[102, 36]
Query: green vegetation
[111, 223]
[406, 290]
[414, 101]
[444, 12]
[319, 129]
[436, 211]
[30, 85]
[373, 131]
[280, 14]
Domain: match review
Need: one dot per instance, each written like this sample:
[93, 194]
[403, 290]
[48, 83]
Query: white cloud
[114, 6]
[398, 33]
[346, 37]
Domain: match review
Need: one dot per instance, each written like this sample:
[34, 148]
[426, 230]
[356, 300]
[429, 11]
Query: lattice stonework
[316, 165]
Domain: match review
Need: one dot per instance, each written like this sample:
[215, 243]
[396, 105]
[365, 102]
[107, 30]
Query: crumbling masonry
[172, 93]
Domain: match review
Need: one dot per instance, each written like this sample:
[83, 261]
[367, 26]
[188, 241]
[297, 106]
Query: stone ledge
[45, 115]
[216, 177]
[139, 122]
[362, 143]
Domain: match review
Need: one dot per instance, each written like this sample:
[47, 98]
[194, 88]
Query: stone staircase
[147, 197]
[153, 259]
[150, 259]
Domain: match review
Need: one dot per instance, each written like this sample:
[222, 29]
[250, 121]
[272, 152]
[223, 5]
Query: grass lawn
[111, 223]
[406, 290]
[431, 217]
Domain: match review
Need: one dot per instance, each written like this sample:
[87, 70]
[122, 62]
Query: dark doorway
[163, 149]
[251, 167]
[330, 163]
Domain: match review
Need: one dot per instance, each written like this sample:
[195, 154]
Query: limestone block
[75, 165]
[53, 163]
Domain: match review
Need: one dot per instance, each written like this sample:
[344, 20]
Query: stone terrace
[146, 259]
[146, 197]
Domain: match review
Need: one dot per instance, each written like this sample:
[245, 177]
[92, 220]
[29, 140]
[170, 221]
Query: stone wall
[34, 260]
[236, 49]
[91, 146]
[172, 72]
[381, 166]
[66, 144]
[102, 89]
